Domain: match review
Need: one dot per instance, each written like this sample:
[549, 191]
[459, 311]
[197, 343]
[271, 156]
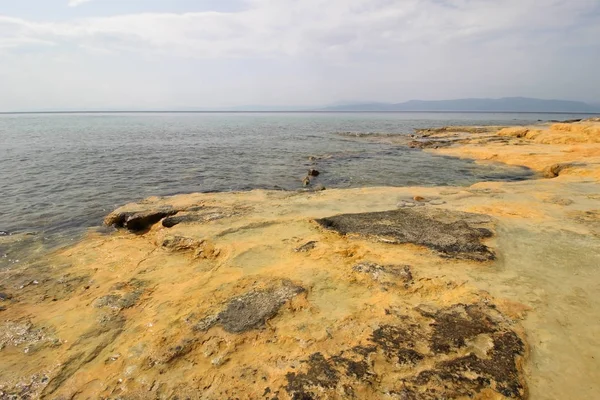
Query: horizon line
[308, 111]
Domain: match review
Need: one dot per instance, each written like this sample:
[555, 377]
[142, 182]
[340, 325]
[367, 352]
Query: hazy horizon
[209, 54]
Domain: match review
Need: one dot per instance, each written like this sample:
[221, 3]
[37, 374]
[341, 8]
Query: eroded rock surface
[455, 235]
[426, 359]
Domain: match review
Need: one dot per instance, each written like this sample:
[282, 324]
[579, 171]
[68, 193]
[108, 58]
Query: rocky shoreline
[410, 293]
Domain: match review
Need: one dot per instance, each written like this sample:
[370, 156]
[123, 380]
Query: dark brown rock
[137, 221]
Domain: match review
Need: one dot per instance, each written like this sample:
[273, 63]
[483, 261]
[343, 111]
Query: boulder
[137, 221]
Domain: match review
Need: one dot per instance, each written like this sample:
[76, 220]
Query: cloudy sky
[136, 54]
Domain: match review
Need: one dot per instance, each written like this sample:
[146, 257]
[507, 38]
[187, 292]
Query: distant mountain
[507, 104]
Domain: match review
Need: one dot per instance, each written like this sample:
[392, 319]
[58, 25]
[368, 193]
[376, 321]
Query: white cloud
[313, 51]
[75, 3]
[317, 27]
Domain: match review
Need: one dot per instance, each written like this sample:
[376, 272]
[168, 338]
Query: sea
[61, 173]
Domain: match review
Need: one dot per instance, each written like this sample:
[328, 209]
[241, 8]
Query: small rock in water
[313, 172]
[306, 181]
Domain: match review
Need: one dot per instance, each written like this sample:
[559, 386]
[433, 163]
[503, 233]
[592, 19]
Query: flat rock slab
[450, 233]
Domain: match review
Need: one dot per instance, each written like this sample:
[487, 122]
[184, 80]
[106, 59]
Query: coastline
[326, 312]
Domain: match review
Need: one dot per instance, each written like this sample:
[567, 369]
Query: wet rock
[306, 181]
[251, 310]
[452, 234]
[306, 247]
[4, 233]
[429, 144]
[137, 221]
[313, 172]
[387, 275]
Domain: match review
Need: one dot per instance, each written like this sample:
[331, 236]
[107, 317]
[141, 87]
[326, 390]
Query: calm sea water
[64, 172]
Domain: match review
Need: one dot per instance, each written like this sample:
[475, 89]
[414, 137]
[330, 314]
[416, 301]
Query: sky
[178, 54]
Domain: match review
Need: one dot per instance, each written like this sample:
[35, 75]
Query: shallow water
[64, 172]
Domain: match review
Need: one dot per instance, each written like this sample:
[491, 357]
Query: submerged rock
[313, 172]
[251, 310]
[452, 234]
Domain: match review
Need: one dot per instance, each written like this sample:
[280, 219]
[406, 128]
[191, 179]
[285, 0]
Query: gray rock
[450, 233]
[251, 310]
